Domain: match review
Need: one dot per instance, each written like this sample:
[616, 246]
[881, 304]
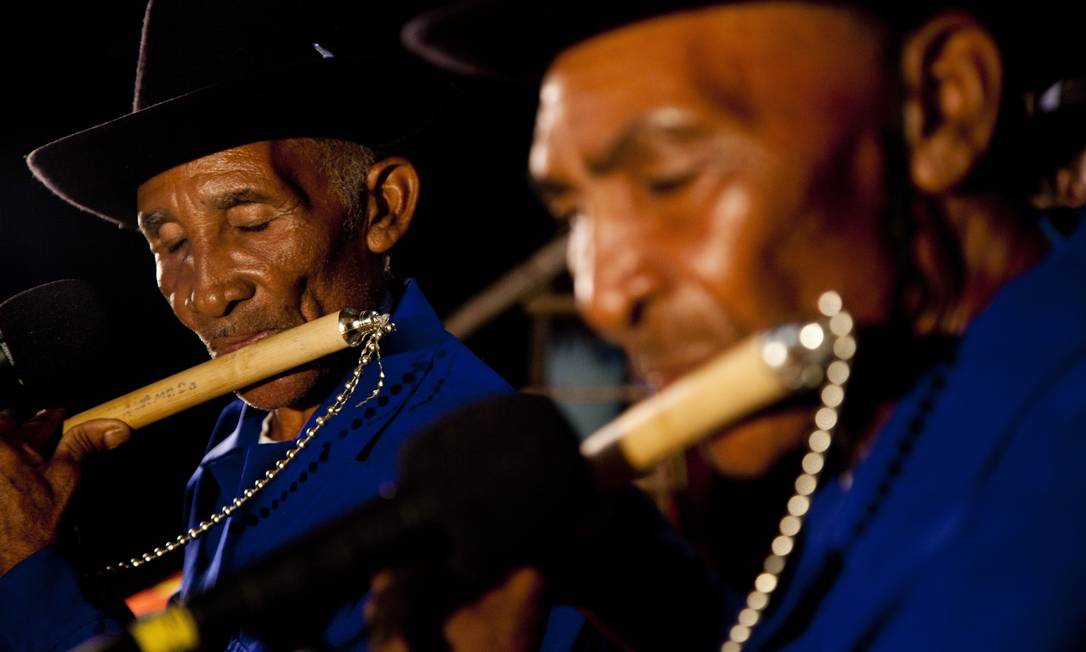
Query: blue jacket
[963, 527]
[428, 373]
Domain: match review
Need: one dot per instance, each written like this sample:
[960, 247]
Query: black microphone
[47, 335]
[496, 486]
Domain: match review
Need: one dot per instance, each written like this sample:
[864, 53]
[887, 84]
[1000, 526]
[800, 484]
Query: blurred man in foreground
[723, 165]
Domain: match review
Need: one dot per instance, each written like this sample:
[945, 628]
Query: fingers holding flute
[37, 480]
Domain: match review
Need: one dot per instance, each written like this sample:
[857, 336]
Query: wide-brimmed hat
[518, 40]
[215, 74]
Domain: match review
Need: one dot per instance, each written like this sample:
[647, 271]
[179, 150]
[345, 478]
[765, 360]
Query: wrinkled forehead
[270, 172]
[274, 162]
[792, 61]
[616, 76]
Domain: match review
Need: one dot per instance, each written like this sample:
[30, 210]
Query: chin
[749, 449]
[294, 390]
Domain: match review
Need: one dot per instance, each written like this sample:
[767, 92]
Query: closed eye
[669, 183]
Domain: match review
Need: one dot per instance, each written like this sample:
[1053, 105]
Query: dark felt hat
[1058, 127]
[215, 74]
[518, 40]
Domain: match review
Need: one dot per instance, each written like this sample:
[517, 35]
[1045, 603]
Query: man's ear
[953, 75]
[394, 192]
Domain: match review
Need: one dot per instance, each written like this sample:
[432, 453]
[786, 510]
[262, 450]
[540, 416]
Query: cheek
[334, 273]
[766, 240]
[717, 247]
[162, 277]
[286, 261]
[167, 275]
[723, 254]
[581, 259]
[287, 254]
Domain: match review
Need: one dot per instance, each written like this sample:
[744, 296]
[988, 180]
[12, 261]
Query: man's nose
[217, 285]
[614, 279]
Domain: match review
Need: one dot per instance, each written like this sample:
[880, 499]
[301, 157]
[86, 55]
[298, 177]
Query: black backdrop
[69, 67]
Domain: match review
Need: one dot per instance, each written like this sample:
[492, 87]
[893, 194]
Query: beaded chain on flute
[839, 327]
[370, 350]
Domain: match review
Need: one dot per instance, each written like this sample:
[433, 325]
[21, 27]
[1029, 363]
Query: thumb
[80, 441]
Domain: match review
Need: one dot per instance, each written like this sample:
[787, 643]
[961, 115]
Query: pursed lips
[227, 345]
[663, 367]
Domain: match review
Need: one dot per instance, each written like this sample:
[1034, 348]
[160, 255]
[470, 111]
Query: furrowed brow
[635, 141]
[235, 197]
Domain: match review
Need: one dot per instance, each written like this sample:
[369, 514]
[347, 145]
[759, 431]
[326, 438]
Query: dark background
[72, 66]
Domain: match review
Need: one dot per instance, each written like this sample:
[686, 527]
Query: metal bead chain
[839, 324]
[371, 349]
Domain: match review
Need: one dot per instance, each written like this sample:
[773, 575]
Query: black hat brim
[374, 102]
[518, 41]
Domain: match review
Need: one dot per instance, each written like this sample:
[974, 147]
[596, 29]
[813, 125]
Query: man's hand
[35, 486]
[508, 618]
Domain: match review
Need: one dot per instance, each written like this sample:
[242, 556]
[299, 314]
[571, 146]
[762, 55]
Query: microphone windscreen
[506, 476]
[50, 333]
[511, 488]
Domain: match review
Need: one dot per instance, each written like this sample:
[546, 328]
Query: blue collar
[417, 328]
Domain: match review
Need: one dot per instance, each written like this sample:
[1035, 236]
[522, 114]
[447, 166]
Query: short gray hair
[346, 165]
